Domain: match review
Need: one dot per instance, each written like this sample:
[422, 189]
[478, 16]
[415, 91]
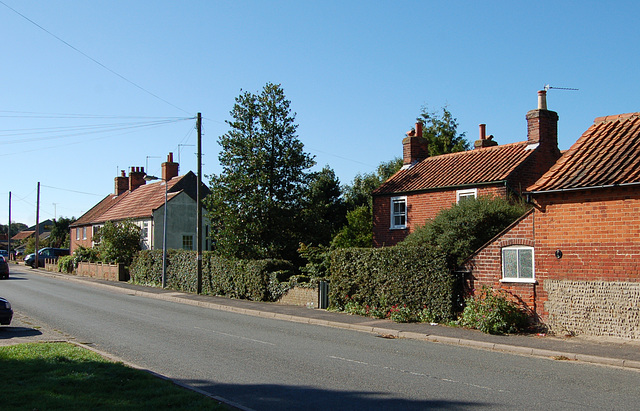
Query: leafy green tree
[15, 228]
[359, 192]
[324, 210]
[462, 229]
[358, 232]
[119, 242]
[59, 237]
[440, 130]
[255, 202]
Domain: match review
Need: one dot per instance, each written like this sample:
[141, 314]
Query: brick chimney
[121, 183]
[169, 168]
[136, 178]
[483, 140]
[542, 124]
[415, 148]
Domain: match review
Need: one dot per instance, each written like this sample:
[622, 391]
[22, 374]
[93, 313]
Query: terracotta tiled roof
[484, 165]
[99, 209]
[608, 153]
[22, 235]
[138, 203]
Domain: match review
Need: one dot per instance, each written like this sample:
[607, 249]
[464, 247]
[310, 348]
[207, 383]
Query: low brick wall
[306, 297]
[595, 308]
[110, 272]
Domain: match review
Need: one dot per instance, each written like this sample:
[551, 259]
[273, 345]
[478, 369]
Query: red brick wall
[598, 232]
[87, 243]
[420, 208]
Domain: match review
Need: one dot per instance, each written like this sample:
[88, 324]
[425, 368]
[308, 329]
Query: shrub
[84, 254]
[462, 229]
[373, 281]
[491, 312]
[66, 264]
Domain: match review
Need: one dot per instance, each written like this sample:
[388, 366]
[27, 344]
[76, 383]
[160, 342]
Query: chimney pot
[483, 131]
[542, 100]
[169, 168]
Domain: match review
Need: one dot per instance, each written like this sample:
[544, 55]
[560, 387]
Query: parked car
[45, 253]
[4, 267]
[4, 253]
[6, 313]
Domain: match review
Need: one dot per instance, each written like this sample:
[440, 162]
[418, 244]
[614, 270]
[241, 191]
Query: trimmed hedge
[381, 280]
[246, 279]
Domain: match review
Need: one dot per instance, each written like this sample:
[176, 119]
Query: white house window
[78, 233]
[187, 242]
[517, 264]
[145, 230]
[84, 233]
[398, 212]
[465, 194]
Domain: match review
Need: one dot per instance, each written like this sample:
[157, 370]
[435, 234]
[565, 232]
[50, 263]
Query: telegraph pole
[37, 226]
[199, 203]
[9, 229]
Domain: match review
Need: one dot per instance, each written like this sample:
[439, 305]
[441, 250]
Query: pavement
[595, 350]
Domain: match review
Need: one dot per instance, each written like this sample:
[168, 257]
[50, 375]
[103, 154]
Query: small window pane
[510, 263]
[526, 263]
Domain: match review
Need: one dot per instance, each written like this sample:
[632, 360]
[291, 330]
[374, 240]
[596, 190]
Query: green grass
[62, 376]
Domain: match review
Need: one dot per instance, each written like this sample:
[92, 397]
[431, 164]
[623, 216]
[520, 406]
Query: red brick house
[574, 259]
[133, 199]
[425, 185]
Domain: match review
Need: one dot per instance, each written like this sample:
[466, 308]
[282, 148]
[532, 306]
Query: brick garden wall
[306, 297]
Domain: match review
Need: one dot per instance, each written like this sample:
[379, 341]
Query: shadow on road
[283, 397]
[17, 332]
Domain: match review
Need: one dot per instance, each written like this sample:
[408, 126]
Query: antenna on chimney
[548, 87]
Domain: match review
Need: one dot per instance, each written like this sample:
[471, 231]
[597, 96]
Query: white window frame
[84, 232]
[393, 213]
[518, 278]
[77, 233]
[187, 238]
[471, 192]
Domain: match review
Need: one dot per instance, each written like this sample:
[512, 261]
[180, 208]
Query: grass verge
[43, 376]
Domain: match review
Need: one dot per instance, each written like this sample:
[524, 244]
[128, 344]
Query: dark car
[4, 267]
[45, 253]
[6, 313]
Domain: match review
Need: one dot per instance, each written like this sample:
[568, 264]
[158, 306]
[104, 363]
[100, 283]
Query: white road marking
[235, 336]
[417, 374]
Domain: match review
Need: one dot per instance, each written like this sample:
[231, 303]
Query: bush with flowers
[491, 312]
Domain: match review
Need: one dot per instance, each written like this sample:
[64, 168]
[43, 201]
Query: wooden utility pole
[199, 203]
[37, 234]
[9, 229]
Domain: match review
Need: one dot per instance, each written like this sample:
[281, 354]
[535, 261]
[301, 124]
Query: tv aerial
[548, 87]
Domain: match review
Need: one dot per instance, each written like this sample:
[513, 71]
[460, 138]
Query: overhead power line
[93, 59]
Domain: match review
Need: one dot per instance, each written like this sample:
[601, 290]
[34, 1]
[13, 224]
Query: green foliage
[491, 312]
[15, 228]
[59, 237]
[84, 254]
[118, 242]
[441, 132]
[377, 281]
[358, 232]
[255, 203]
[230, 277]
[66, 264]
[318, 261]
[462, 229]
[323, 209]
[359, 192]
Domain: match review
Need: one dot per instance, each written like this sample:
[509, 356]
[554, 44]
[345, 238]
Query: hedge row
[247, 279]
[383, 279]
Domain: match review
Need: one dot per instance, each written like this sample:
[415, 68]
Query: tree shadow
[284, 397]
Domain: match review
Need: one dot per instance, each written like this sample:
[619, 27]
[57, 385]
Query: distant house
[574, 260]
[133, 199]
[425, 185]
[44, 228]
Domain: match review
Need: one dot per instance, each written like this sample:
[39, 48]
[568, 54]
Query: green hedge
[412, 281]
[246, 279]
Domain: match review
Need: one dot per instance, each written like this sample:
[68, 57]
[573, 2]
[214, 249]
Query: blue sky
[357, 74]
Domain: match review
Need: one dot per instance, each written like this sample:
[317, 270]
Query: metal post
[37, 227]
[9, 230]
